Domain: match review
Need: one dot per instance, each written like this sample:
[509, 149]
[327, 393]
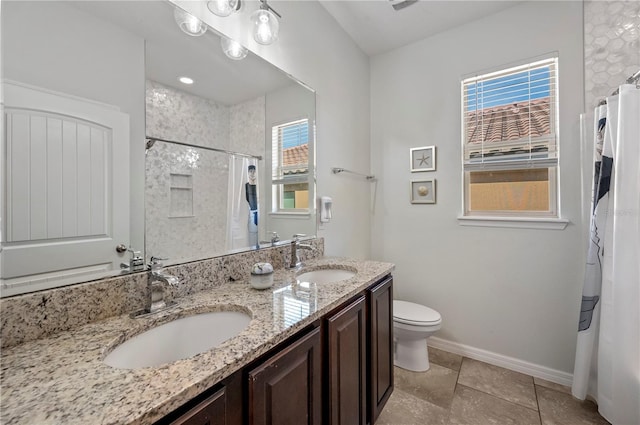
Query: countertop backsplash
[37, 315]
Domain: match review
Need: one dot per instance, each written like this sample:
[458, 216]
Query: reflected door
[66, 184]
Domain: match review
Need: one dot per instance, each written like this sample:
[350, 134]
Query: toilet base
[412, 355]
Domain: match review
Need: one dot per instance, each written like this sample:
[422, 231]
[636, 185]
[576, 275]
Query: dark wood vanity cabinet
[346, 365]
[338, 371]
[286, 389]
[359, 357]
[380, 319]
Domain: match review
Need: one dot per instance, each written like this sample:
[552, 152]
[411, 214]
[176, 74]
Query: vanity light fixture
[233, 49]
[223, 7]
[265, 24]
[188, 23]
[186, 80]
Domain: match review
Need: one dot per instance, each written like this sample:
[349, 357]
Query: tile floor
[462, 391]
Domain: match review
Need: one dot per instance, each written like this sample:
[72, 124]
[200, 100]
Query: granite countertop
[63, 380]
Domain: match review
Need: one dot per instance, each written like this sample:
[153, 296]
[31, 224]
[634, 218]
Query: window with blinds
[510, 149]
[290, 166]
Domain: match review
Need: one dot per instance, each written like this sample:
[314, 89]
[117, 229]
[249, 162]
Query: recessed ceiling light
[185, 80]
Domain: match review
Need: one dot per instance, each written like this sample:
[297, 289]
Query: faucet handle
[297, 236]
[136, 262]
[155, 262]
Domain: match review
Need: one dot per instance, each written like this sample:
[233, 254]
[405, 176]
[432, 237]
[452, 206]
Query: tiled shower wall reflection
[186, 189]
[611, 46]
[184, 220]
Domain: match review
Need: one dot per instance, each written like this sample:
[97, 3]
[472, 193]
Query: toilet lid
[407, 312]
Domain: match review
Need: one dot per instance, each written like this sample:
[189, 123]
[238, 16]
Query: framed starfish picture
[423, 159]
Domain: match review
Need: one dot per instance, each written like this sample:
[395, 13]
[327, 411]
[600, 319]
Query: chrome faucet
[157, 281]
[136, 262]
[274, 239]
[295, 246]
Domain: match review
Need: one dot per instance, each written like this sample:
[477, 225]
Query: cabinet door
[287, 388]
[381, 346]
[211, 411]
[347, 367]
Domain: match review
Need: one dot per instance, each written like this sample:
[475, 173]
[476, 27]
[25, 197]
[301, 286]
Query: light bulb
[188, 23]
[265, 26]
[223, 7]
[233, 49]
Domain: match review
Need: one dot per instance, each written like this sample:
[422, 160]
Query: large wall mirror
[85, 86]
[227, 163]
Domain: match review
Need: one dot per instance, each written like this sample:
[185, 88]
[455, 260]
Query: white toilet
[412, 325]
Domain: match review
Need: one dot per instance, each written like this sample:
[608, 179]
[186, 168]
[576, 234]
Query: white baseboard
[542, 372]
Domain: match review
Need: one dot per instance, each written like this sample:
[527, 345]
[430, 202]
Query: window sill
[290, 214]
[515, 222]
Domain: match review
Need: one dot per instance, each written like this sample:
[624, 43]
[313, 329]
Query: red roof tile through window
[295, 160]
[509, 122]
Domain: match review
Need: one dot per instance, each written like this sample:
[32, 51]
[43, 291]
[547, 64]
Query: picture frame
[423, 191]
[422, 159]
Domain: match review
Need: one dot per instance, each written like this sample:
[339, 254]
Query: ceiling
[373, 24]
[377, 28]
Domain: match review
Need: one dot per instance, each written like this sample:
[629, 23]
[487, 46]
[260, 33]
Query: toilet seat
[415, 314]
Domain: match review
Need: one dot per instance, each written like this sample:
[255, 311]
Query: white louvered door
[66, 189]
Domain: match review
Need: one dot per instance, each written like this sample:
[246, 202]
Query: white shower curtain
[607, 365]
[238, 235]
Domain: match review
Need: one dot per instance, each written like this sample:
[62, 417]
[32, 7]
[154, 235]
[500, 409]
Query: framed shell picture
[423, 159]
[423, 191]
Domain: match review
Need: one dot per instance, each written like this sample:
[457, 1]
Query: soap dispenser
[325, 209]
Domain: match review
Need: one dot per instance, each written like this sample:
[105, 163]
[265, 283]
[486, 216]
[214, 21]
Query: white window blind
[290, 154]
[510, 118]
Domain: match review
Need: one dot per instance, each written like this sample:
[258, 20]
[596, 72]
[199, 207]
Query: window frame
[277, 186]
[510, 218]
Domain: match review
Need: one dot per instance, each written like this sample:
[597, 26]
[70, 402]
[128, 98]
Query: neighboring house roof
[295, 160]
[509, 122]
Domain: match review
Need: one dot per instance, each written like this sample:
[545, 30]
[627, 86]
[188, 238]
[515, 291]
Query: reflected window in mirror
[290, 166]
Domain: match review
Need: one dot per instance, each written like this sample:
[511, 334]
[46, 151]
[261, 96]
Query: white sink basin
[179, 339]
[325, 275]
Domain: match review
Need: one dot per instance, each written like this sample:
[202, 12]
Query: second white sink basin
[325, 275]
[179, 339]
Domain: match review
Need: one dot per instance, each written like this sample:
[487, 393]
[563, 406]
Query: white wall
[60, 48]
[314, 48]
[512, 292]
